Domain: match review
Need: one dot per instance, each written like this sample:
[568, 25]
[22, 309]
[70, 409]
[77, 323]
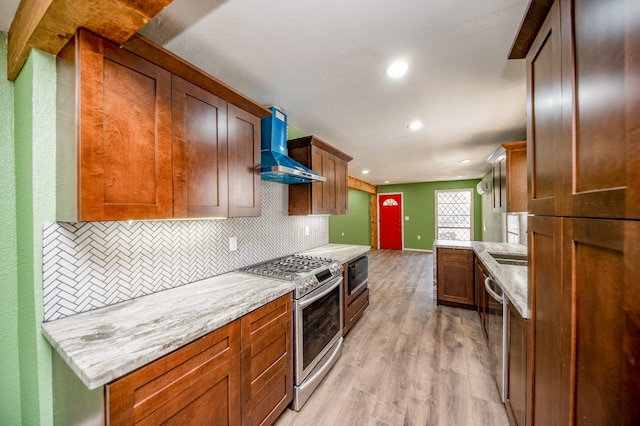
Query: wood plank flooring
[407, 361]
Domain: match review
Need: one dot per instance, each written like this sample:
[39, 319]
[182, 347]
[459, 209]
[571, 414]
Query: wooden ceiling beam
[49, 24]
[360, 185]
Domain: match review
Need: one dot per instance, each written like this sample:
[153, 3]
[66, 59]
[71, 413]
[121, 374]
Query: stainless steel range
[317, 316]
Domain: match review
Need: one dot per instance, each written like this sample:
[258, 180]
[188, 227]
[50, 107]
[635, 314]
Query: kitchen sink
[510, 259]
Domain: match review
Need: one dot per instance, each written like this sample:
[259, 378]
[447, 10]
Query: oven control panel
[309, 284]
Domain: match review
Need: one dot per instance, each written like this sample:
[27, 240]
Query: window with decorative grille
[454, 214]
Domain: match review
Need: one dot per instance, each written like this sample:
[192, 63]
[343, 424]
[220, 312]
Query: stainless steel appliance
[317, 316]
[497, 332]
[357, 274]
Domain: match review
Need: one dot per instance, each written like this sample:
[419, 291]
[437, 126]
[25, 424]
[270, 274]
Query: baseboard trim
[420, 250]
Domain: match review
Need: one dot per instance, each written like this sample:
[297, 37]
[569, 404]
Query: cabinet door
[601, 258]
[267, 362]
[319, 190]
[197, 384]
[499, 185]
[341, 186]
[544, 114]
[516, 177]
[244, 157]
[455, 277]
[124, 159]
[517, 389]
[551, 322]
[601, 41]
[329, 187]
[199, 136]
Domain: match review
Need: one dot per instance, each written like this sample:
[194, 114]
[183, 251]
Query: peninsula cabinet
[329, 197]
[455, 283]
[154, 139]
[509, 173]
[583, 110]
[241, 373]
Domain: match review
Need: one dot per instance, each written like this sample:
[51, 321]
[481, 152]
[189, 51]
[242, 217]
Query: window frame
[471, 211]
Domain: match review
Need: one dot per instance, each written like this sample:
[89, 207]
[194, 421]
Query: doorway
[390, 220]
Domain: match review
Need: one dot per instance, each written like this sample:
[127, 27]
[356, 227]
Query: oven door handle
[492, 293]
[306, 302]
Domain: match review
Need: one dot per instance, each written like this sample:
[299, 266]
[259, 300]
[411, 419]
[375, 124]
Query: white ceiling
[323, 63]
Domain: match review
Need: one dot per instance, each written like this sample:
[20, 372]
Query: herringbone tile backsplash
[88, 265]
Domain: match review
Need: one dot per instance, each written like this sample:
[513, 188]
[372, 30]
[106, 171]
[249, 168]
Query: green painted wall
[293, 133]
[355, 224]
[491, 222]
[35, 166]
[9, 364]
[419, 205]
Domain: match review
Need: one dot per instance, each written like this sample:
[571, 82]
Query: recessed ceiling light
[459, 176]
[465, 161]
[397, 69]
[386, 181]
[364, 172]
[415, 125]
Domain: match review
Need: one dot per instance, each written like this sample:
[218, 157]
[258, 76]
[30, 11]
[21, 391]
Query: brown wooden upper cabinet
[583, 111]
[510, 177]
[328, 197]
[154, 140]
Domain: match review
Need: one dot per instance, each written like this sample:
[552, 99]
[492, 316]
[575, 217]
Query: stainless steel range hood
[275, 164]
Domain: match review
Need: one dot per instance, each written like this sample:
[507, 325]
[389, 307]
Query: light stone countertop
[107, 343]
[511, 278]
[343, 253]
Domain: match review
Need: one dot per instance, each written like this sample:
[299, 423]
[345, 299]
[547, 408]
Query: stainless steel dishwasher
[497, 333]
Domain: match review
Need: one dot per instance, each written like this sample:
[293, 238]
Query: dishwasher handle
[491, 291]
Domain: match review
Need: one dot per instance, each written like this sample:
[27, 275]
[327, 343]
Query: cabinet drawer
[259, 323]
[357, 307]
[267, 362]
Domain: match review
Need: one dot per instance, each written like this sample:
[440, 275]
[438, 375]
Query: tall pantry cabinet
[583, 104]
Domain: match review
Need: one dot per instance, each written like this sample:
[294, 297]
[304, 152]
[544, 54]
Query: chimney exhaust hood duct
[275, 164]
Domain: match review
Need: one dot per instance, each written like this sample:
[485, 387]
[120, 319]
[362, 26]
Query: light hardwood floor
[407, 361]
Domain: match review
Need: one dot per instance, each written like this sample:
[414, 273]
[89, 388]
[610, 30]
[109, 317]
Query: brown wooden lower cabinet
[197, 384]
[241, 373]
[355, 310]
[518, 350]
[481, 296]
[267, 362]
[455, 277]
[586, 321]
[355, 291]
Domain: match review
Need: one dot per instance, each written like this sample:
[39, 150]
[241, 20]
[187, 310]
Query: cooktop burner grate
[288, 267]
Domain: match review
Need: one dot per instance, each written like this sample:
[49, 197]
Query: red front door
[390, 208]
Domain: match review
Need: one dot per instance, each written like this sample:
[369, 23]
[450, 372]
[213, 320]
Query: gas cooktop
[302, 270]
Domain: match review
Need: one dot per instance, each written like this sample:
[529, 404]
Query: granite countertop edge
[105, 344]
[512, 279]
[343, 253]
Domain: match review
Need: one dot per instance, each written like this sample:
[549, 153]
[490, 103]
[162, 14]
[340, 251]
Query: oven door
[357, 274]
[318, 325]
